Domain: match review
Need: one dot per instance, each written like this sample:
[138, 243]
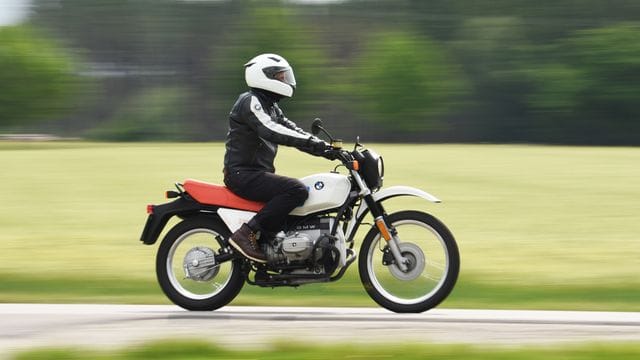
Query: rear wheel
[433, 263]
[186, 267]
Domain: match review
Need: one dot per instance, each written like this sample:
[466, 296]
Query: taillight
[150, 209]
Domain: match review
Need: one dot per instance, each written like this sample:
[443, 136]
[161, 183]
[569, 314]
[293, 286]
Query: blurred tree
[271, 28]
[405, 82]
[590, 92]
[493, 49]
[37, 80]
[151, 114]
[543, 71]
[136, 44]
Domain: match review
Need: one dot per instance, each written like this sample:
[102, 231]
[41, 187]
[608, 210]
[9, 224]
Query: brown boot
[244, 240]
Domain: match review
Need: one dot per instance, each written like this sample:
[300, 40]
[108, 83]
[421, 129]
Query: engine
[308, 245]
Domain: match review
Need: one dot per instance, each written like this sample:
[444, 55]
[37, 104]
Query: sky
[12, 12]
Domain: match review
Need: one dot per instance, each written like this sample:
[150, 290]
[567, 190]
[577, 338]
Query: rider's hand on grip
[317, 147]
[331, 154]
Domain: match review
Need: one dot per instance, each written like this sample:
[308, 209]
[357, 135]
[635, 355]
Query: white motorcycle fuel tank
[326, 191]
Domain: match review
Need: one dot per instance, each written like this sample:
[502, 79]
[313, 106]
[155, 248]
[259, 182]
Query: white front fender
[395, 191]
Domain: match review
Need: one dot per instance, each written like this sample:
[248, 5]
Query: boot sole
[239, 249]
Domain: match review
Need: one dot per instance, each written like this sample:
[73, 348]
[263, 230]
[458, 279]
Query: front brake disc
[415, 262]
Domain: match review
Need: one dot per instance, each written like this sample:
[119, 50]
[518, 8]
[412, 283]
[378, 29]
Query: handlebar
[345, 157]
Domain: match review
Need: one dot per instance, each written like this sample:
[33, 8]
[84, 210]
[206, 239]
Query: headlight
[372, 169]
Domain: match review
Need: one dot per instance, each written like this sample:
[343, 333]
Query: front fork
[389, 234]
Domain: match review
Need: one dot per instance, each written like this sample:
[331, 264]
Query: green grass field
[541, 227]
[201, 350]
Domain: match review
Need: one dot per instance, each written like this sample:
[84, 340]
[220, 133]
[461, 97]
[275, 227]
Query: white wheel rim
[375, 281]
[175, 282]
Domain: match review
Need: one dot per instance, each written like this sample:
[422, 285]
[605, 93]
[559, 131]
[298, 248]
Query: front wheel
[432, 260]
[187, 270]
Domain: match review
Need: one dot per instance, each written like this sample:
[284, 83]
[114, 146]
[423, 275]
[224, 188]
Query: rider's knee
[300, 192]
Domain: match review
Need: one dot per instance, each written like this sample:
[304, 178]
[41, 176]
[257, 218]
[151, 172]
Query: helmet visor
[281, 73]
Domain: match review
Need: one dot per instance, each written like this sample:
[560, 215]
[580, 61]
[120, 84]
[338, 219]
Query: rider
[256, 126]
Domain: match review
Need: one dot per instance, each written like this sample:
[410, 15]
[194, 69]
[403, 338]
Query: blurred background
[504, 71]
[552, 227]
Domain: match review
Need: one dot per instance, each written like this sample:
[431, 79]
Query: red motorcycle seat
[219, 195]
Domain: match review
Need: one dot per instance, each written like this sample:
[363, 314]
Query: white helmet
[260, 72]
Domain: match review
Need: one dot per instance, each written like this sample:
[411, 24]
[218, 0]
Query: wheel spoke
[197, 285]
[187, 268]
[431, 270]
[431, 277]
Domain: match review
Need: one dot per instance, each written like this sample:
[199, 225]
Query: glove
[318, 147]
[330, 154]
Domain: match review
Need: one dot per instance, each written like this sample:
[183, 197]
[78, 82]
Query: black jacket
[256, 126]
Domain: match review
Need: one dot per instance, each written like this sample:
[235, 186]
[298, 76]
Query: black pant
[280, 193]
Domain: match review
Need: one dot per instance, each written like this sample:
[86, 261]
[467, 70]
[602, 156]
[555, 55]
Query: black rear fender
[159, 215]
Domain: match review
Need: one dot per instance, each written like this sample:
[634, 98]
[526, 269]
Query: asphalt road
[106, 326]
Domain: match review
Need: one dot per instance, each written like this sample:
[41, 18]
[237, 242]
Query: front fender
[382, 195]
[395, 191]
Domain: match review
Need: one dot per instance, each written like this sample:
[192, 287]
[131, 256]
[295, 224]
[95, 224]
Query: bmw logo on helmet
[319, 185]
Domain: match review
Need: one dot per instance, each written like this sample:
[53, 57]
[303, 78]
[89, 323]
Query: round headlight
[373, 169]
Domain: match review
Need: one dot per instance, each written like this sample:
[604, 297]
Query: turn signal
[150, 209]
[355, 165]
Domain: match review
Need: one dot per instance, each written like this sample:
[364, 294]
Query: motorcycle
[407, 262]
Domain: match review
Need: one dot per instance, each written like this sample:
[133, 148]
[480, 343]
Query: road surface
[25, 326]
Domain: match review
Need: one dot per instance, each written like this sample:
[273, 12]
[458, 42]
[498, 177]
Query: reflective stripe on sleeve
[267, 121]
